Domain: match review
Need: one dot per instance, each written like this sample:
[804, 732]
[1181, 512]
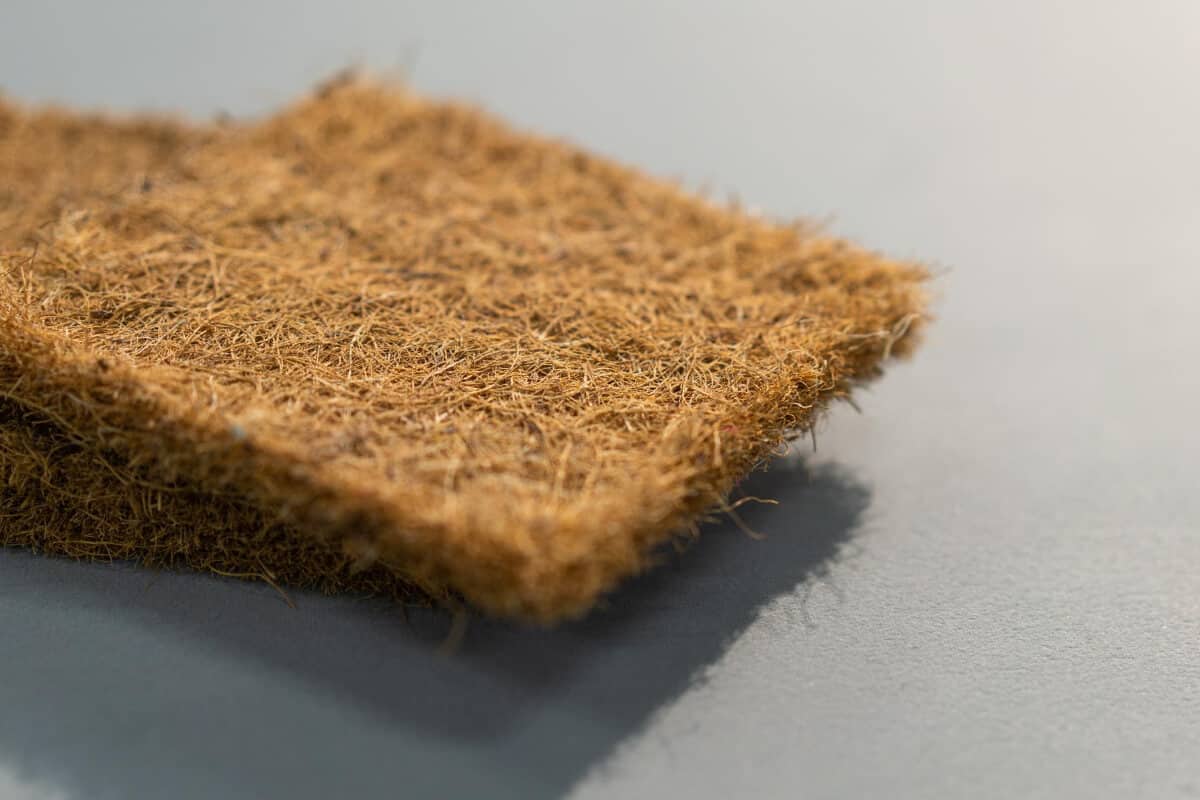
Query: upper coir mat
[492, 362]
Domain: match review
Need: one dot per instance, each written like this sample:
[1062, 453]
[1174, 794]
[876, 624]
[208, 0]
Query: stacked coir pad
[385, 345]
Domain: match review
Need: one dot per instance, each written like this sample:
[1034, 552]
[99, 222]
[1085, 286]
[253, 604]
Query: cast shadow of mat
[515, 711]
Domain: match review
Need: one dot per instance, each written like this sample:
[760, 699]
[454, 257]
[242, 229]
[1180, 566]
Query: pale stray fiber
[375, 342]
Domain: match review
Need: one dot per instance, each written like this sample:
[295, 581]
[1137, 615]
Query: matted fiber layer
[376, 342]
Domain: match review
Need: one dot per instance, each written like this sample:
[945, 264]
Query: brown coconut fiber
[375, 343]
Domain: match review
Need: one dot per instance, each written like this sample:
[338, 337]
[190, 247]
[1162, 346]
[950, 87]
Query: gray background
[985, 585]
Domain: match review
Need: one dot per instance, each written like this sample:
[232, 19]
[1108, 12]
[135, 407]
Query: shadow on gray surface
[514, 711]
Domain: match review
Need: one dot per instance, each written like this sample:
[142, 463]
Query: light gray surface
[986, 585]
